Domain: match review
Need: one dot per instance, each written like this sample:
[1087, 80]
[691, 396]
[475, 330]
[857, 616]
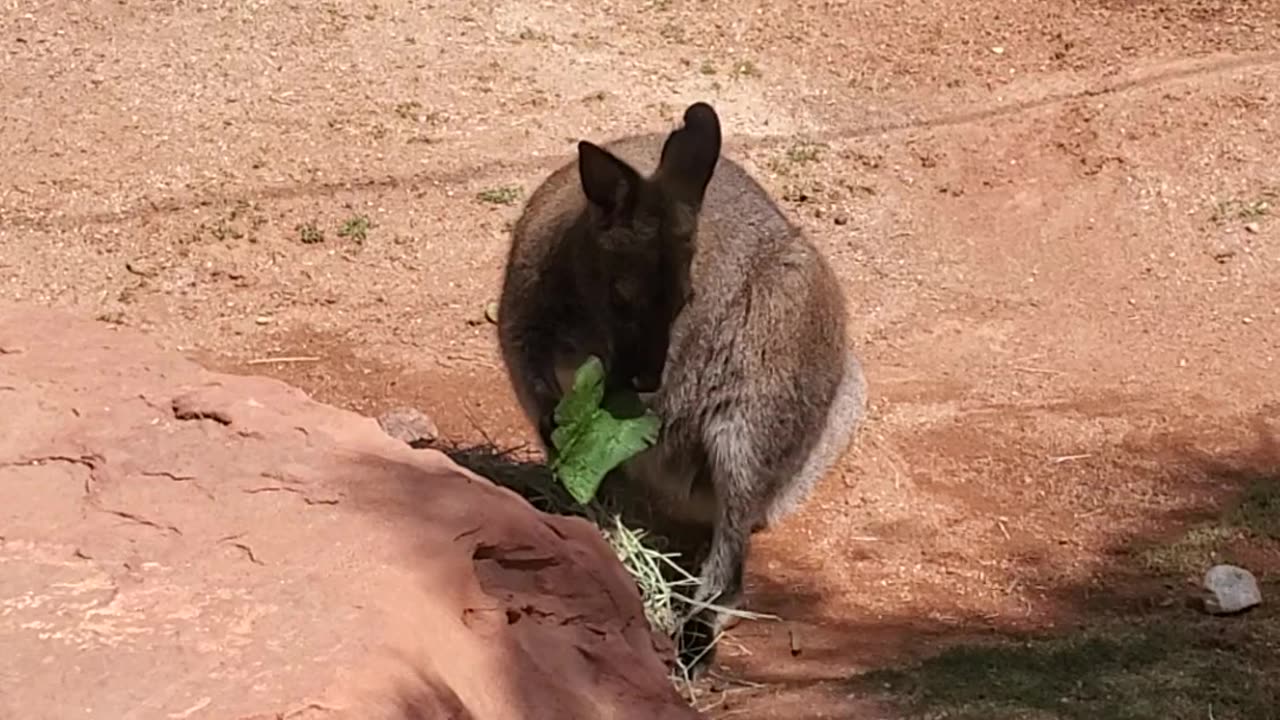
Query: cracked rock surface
[184, 544]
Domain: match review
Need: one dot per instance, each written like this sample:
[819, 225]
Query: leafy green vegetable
[595, 434]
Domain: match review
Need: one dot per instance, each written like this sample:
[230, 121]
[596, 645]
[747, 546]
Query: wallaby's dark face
[642, 236]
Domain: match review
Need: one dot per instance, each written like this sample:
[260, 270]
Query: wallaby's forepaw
[546, 426]
[646, 383]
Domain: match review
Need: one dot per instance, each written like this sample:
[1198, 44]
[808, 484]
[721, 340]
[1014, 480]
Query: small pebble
[410, 426]
[1252, 227]
[491, 312]
[263, 320]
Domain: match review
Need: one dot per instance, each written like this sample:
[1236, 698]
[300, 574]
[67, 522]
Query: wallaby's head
[642, 234]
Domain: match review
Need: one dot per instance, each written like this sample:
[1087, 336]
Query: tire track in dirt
[1161, 75]
[1170, 74]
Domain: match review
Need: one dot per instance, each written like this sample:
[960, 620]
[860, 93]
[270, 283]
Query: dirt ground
[1056, 222]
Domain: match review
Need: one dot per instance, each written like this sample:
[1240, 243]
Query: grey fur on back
[742, 237]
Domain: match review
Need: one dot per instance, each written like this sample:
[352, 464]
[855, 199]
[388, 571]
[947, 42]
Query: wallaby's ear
[609, 183]
[690, 154]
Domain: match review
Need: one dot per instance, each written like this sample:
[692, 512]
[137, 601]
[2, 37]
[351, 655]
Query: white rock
[1230, 590]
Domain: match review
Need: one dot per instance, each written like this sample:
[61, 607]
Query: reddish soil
[1057, 223]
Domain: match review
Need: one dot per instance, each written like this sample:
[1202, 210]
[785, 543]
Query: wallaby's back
[766, 329]
[760, 394]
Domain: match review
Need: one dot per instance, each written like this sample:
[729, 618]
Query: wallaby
[695, 274]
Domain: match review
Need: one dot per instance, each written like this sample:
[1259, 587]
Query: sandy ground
[1056, 223]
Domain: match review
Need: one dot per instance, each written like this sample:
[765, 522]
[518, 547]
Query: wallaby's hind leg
[720, 584]
[737, 478]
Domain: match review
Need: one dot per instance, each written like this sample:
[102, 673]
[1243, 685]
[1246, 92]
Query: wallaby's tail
[848, 408]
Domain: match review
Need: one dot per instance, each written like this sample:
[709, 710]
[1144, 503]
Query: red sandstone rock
[176, 543]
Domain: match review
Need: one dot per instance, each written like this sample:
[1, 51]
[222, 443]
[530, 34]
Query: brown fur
[760, 392]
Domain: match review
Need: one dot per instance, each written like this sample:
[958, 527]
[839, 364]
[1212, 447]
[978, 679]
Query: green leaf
[585, 396]
[594, 434]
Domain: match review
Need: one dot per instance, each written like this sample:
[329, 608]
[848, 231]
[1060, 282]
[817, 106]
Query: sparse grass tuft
[309, 234]
[805, 152]
[1245, 209]
[1256, 516]
[408, 110]
[746, 69]
[1258, 511]
[798, 154]
[225, 229]
[241, 221]
[672, 32]
[355, 227]
[1194, 552]
[504, 195]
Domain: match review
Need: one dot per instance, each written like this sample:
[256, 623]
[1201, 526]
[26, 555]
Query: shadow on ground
[1141, 650]
[1130, 643]
[1170, 664]
[1127, 644]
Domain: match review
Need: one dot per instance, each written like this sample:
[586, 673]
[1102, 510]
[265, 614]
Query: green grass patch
[1188, 667]
[1176, 664]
